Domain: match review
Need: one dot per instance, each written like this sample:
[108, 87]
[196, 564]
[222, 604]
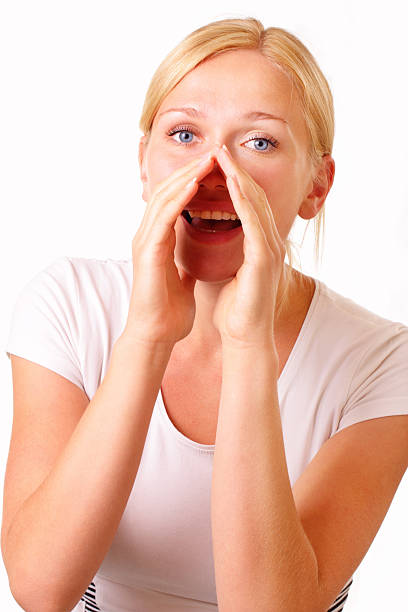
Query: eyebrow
[193, 112]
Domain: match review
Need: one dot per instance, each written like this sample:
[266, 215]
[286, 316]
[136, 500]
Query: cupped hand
[244, 312]
[162, 304]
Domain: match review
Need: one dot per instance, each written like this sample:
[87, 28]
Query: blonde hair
[286, 51]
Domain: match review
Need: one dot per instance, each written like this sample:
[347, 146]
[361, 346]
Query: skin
[286, 173]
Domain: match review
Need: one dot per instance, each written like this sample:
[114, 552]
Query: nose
[216, 179]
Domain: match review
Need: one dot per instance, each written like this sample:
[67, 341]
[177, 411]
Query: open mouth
[211, 224]
[186, 215]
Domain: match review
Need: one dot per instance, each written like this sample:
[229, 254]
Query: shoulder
[82, 293]
[342, 307]
[103, 292]
[91, 270]
[74, 278]
[345, 322]
[92, 280]
[354, 352]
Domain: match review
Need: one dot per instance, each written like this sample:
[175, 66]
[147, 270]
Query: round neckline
[284, 376]
[180, 437]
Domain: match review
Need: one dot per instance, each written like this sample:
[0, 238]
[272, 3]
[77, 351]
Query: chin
[206, 269]
[201, 271]
[218, 264]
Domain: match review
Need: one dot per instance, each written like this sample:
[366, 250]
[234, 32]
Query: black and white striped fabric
[89, 597]
[339, 602]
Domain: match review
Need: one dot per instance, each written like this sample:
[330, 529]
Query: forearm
[263, 558]
[69, 522]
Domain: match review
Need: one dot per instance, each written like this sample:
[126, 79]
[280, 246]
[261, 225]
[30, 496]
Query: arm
[281, 549]
[70, 520]
[263, 558]
[274, 548]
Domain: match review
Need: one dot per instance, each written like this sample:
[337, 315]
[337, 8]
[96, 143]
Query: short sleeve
[379, 386]
[44, 324]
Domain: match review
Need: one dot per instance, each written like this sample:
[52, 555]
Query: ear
[142, 164]
[321, 185]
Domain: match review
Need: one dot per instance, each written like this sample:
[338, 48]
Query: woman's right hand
[162, 305]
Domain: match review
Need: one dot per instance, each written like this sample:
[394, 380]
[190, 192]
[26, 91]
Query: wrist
[265, 344]
[130, 347]
[255, 351]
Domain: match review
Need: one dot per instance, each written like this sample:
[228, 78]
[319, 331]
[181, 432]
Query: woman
[212, 428]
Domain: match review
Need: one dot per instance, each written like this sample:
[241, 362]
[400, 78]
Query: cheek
[283, 187]
[159, 169]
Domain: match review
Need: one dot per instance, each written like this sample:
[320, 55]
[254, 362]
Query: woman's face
[273, 151]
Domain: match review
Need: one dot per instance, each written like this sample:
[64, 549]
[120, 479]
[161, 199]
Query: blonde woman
[202, 426]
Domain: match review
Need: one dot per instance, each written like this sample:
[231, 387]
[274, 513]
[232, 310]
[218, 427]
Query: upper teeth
[212, 214]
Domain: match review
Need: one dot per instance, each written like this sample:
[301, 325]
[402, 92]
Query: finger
[160, 219]
[248, 188]
[176, 181]
[182, 172]
[166, 206]
[256, 195]
[246, 183]
[254, 234]
[230, 165]
[169, 202]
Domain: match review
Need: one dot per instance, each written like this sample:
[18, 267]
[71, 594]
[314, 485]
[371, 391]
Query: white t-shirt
[348, 365]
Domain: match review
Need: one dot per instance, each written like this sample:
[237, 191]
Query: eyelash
[188, 128]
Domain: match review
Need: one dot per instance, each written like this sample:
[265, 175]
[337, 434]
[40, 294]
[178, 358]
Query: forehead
[234, 74]
[237, 82]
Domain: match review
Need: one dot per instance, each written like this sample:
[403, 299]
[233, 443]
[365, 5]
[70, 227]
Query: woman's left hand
[244, 312]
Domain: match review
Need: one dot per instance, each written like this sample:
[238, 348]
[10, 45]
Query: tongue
[214, 225]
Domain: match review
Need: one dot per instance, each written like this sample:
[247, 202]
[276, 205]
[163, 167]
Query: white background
[73, 77]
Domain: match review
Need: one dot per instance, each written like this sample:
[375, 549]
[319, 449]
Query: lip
[211, 237]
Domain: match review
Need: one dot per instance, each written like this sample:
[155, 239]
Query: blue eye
[259, 140]
[267, 141]
[185, 131]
